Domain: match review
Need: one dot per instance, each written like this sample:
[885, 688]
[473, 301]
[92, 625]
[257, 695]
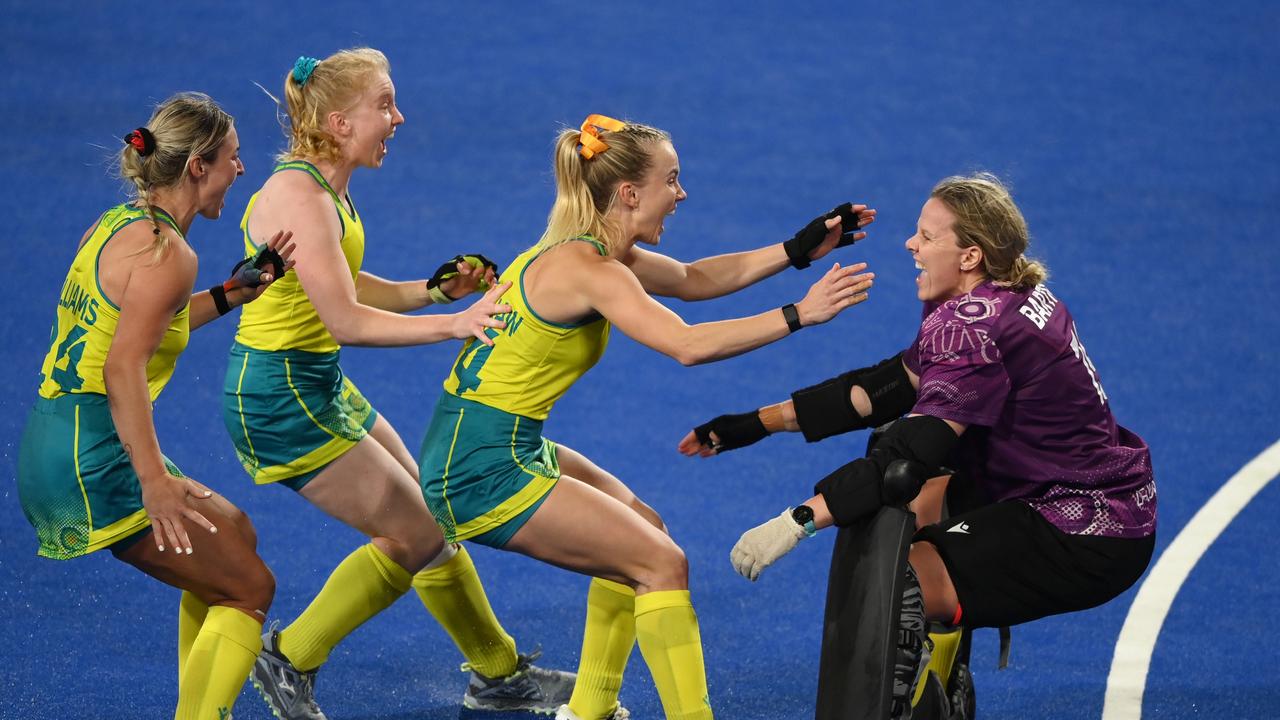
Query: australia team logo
[73, 539]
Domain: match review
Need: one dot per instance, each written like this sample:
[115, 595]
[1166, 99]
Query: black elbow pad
[825, 409]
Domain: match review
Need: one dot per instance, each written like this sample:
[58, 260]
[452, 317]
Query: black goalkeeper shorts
[1010, 565]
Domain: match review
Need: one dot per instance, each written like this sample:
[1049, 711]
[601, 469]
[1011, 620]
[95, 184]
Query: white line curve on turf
[1127, 680]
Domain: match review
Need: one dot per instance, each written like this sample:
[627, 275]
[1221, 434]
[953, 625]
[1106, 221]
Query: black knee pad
[861, 487]
[902, 481]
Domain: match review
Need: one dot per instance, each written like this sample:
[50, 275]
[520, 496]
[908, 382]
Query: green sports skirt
[290, 413]
[76, 485]
[484, 471]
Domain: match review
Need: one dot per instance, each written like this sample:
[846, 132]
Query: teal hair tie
[302, 69]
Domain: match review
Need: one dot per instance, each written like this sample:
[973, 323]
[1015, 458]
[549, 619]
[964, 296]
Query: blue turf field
[1140, 140]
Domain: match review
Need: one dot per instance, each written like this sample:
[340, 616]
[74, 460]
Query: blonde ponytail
[585, 186]
[1026, 273]
[314, 88]
[157, 155]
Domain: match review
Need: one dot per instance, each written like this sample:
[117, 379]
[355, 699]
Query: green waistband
[449, 401]
[303, 356]
[90, 411]
[70, 400]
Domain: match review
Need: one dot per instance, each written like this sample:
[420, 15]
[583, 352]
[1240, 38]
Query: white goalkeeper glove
[763, 544]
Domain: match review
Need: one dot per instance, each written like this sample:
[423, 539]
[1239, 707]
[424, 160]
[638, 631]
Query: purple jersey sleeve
[961, 369]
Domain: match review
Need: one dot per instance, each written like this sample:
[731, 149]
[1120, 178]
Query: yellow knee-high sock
[607, 640]
[667, 629]
[455, 598]
[191, 614]
[363, 585]
[218, 664]
[945, 646]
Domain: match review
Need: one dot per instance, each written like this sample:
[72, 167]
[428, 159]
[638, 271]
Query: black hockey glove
[812, 235]
[733, 431]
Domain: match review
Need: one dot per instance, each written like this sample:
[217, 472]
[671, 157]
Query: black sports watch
[792, 316]
[803, 515]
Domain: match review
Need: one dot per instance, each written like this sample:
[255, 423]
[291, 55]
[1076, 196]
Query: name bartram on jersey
[1039, 306]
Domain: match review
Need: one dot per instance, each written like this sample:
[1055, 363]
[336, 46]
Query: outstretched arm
[323, 271]
[614, 291]
[707, 278]
[455, 280]
[832, 407]
[907, 456]
[391, 295]
[721, 275]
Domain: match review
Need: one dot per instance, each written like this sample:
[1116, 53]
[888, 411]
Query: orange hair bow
[589, 142]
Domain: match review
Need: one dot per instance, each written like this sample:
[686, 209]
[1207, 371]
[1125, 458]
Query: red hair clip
[589, 142]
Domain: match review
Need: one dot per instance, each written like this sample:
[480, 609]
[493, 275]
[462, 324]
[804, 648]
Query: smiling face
[214, 177]
[946, 269]
[370, 122]
[655, 197]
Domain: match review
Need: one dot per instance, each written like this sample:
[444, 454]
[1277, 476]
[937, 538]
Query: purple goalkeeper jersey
[1010, 365]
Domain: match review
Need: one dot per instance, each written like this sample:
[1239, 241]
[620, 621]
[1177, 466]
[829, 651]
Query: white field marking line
[1128, 678]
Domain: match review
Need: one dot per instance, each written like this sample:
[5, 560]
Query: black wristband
[219, 296]
[792, 316]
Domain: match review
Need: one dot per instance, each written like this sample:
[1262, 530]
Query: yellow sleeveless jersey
[533, 361]
[86, 320]
[283, 318]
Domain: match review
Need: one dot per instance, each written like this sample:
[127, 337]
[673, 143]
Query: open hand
[477, 319]
[166, 500]
[840, 288]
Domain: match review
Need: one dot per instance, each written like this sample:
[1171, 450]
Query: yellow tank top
[533, 361]
[283, 318]
[86, 320]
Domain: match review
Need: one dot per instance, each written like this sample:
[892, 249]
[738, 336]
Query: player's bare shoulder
[582, 259]
[296, 200]
[290, 187]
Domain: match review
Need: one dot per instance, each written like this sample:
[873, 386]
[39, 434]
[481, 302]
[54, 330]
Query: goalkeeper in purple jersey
[1001, 400]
